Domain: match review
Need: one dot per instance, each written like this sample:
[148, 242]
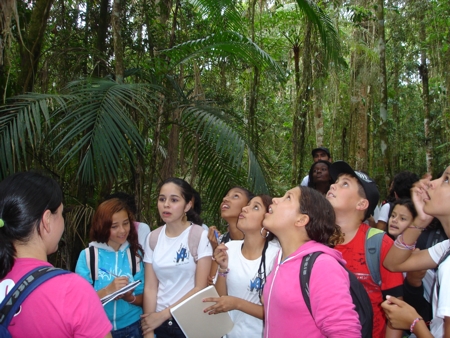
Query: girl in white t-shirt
[431, 199]
[171, 273]
[243, 267]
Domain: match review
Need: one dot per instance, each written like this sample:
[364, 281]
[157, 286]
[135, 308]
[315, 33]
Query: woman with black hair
[319, 176]
[31, 225]
[175, 268]
[243, 267]
[232, 203]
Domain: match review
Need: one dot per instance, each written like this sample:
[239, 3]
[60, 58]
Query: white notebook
[105, 300]
[195, 323]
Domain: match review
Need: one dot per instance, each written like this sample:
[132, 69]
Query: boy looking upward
[354, 197]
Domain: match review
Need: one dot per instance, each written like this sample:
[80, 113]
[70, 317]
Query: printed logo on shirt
[182, 255]
[6, 286]
[256, 284]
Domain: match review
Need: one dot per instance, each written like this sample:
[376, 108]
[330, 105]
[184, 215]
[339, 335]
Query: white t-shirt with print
[243, 282]
[441, 306]
[174, 266]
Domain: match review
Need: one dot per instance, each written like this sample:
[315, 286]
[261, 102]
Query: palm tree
[98, 133]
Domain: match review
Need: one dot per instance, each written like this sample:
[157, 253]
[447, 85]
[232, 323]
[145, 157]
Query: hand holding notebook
[131, 286]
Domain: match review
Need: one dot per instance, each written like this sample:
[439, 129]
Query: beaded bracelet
[399, 243]
[411, 328]
[134, 298]
[223, 273]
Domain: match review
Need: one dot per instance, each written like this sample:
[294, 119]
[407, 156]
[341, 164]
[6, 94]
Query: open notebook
[105, 300]
[195, 323]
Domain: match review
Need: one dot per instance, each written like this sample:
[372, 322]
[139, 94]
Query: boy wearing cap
[320, 153]
[354, 197]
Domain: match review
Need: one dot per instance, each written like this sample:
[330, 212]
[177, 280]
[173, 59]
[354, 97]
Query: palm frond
[327, 30]
[223, 14]
[223, 153]
[220, 44]
[97, 127]
[23, 122]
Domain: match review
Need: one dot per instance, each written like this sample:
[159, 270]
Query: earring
[184, 219]
[267, 233]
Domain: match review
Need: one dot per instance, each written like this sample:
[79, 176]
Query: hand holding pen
[117, 283]
[213, 236]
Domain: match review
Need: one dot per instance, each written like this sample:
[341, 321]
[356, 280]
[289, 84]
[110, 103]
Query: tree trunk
[102, 29]
[30, 49]
[358, 110]
[295, 133]
[118, 46]
[382, 81]
[253, 102]
[302, 106]
[395, 167]
[172, 118]
[423, 71]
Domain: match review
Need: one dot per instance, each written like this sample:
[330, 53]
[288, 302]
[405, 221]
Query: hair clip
[2, 223]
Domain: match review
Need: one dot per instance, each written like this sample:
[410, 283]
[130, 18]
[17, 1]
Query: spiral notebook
[105, 300]
[195, 323]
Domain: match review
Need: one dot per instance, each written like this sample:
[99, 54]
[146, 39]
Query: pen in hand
[112, 274]
[217, 236]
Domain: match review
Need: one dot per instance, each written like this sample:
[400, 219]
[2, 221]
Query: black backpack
[360, 297]
[20, 291]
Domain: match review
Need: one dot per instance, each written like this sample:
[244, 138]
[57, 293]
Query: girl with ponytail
[243, 268]
[31, 225]
[304, 223]
[173, 272]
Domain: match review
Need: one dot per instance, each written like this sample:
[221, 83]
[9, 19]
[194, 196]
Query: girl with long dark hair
[243, 268]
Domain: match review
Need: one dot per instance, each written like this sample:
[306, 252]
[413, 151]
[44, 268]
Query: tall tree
[31, 45]
[383, 132]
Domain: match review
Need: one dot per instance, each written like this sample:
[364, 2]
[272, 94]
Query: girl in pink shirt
[304, 222]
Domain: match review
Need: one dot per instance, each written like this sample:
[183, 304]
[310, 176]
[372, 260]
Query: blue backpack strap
[374, 238]
[23, 288]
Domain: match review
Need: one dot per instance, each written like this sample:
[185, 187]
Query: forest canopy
[109, 95]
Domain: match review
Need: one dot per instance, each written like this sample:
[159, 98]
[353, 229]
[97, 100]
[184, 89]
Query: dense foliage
[107, 95]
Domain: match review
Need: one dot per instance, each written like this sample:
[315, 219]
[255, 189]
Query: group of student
[257, 266]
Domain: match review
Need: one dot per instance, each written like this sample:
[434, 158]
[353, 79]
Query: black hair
[267, 201]
[189, 194]
[403, 183]
[127, 198]
[408, 203]
[247, 192]
[23, 200]
[311, 183]
[322, 225]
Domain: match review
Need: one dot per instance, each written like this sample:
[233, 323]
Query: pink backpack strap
[195, 234]
[153, 240]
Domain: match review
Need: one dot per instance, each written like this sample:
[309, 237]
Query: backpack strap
[195, 234]
[305, 276]
[134, 262]
[374, 238]
[23, 288]
[92, 262]
[153, 240]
